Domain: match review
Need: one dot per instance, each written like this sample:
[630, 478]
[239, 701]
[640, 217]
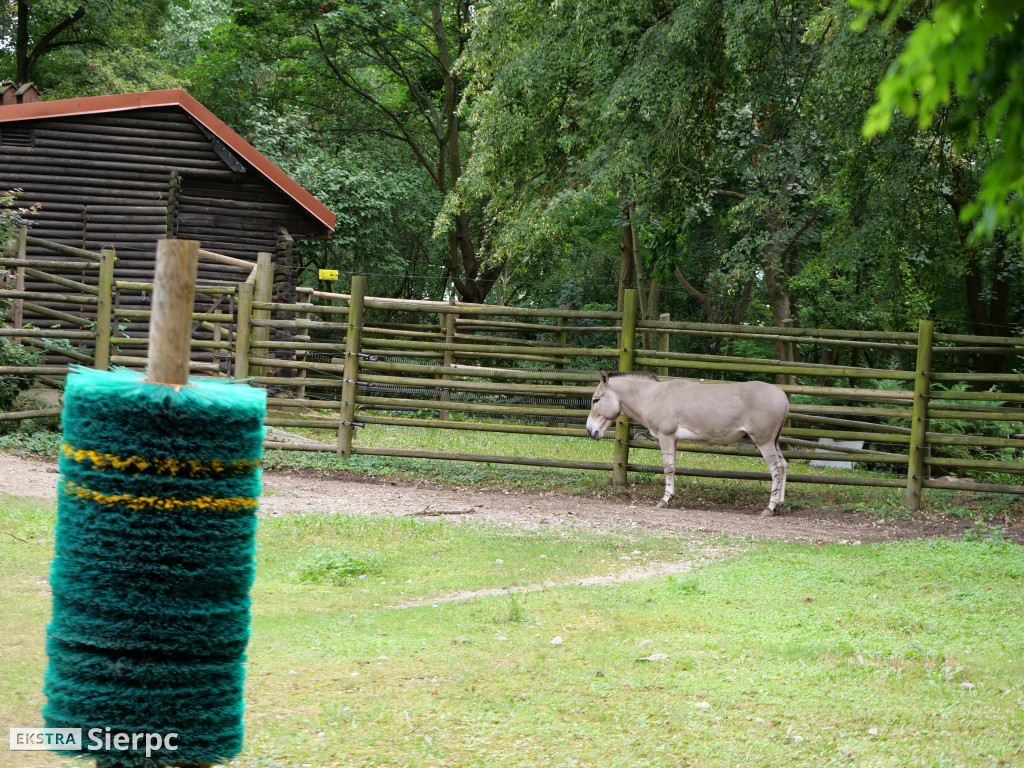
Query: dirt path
[290, 493]
[624, 576]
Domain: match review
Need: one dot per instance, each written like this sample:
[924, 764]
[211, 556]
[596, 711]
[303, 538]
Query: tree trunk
[638, 265]
[651, 340]
[775, 281]
[626, 263]
[991, 317]
[472, 279]
[21, 44]
[777, 266]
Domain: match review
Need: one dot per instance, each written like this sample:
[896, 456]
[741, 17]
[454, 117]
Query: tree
[391, 64]
[730, 132]
[962, 66]
[711, 121]
[326, 138]
[538, 75]
[82, 47]
[384, 209]
[959, 80]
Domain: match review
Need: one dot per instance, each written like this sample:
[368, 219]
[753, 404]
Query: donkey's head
[604, 408]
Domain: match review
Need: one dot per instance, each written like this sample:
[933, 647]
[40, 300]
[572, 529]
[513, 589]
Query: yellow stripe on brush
[139, 503]
[159, 465]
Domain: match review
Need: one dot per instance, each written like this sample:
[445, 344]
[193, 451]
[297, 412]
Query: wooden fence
[422, 364]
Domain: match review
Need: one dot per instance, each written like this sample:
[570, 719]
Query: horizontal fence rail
[336, 362]
[531, 371]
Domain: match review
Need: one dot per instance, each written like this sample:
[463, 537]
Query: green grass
[26, 548]
[386, 561]
[908, 654]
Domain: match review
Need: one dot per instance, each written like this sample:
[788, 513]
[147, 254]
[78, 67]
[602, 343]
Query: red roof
[175, 98]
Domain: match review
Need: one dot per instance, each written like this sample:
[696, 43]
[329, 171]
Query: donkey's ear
[604, 376]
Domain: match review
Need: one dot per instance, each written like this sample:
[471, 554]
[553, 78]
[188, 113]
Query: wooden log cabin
[123, 171]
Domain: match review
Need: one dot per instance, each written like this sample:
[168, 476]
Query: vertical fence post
[919, 415]
[664, 338]
[174, 293]
[561, 336]
[218, 337]
[448, 321]
[353, 340]
[263, 291]
[18, 310]
[561, 341]
[303, 295]
[627, 343]
[101, 357]
[243, 330]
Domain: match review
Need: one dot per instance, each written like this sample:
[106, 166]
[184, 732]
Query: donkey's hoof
[661, 504]
[769, 512]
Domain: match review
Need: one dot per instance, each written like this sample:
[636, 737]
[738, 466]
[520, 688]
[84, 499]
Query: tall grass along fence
[904, 406]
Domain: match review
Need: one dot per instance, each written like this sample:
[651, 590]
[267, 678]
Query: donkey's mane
[633, 375]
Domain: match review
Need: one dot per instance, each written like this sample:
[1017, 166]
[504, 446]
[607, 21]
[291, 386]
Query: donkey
[680, 409]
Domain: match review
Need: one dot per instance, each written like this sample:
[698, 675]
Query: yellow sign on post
[328, 274]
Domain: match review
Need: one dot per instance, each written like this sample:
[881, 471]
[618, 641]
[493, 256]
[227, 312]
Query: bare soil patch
[299, 493]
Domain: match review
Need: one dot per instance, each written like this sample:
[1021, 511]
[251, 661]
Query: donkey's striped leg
[777, 466]
[668, 458]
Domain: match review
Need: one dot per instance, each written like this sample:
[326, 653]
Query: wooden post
[101, 357]
[919, 415]
[561, 336]
[627, 343]
[218, 337]
[18, 311]
[663, 341]
[353, 340]
[304, 296]
[262, 291]
[174, 284]
[448, 321]
[243, 331]
[561, 341]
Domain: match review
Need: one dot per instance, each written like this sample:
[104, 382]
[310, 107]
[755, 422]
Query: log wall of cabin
[126, 179]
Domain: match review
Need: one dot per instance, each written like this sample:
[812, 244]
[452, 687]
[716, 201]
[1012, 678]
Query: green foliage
[515, 611]
[12, 216]
[26, 441]
[962, 67]
[384, 209]
[12, 385]
[725, 123]
[384, 213]
[733, 127]
[525, 133]
[330, 566]
[969, 426]
[375, 84]
[90, 47]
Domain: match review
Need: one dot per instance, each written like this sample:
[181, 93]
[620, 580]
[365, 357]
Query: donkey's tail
[782, 424]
